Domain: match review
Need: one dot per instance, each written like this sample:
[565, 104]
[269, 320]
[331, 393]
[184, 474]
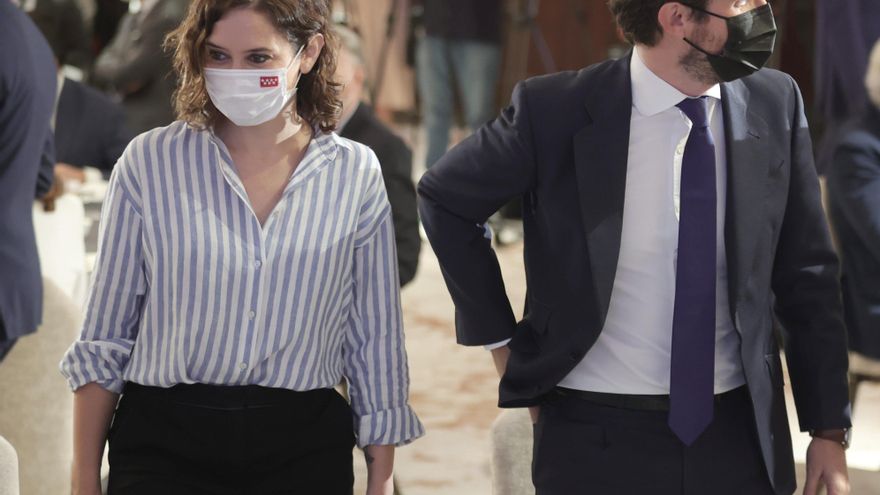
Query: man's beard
[696, 63]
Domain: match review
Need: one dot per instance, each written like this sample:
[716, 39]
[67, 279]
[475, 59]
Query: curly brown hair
[638, 18]
[317, 94]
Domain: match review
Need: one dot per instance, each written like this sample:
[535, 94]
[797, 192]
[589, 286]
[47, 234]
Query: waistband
[640, 402]
[226, 397]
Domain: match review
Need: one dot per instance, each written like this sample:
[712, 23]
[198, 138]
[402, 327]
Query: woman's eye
[217, 56]
[258, 58]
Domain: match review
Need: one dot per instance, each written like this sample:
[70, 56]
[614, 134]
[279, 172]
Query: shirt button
[251, 314]
[679, 150]
[243, 366]
[258, 263]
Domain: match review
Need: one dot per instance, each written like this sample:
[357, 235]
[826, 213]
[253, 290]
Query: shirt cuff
[398, 426]
[496, 345]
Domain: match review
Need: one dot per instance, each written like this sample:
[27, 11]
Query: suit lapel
[747, 170]
[600, 154]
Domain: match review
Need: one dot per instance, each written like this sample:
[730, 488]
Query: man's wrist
[837, 435]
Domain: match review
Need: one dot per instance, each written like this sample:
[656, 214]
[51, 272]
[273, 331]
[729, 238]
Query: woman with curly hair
[246, 266]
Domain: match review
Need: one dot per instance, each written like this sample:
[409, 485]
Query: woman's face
[247, 39]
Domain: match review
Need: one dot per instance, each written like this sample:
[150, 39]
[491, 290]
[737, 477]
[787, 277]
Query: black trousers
[247, 440]
[586, 448]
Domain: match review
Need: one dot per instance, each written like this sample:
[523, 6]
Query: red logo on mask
[269, 82]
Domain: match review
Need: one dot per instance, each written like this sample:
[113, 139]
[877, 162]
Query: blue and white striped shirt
[190, 288]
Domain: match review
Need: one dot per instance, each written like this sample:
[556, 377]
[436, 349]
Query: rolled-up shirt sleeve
[374, 352]
[116, 296]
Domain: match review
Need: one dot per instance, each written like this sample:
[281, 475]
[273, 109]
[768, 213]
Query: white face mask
[250, 97]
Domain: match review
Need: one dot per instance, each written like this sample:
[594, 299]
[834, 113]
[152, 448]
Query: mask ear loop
[713, 14]
[691, 43]
[296, 117]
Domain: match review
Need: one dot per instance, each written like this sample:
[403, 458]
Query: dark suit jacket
[563, 146]
[135, 57]
[396, 161]
[90, 128]
[854, 195]
[27, 96]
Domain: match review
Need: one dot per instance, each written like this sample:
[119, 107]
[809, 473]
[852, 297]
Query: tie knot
[696, 109]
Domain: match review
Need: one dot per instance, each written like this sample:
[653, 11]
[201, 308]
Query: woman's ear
[311, 52]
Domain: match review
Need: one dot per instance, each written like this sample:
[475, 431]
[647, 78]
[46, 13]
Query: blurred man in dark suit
[854, 195]
[136, 67]
[360, 124]
[27, 93]
[845, 33]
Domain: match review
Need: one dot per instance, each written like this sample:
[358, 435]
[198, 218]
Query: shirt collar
[651, 94]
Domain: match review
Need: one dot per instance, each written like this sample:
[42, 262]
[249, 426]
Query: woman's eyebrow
[252, 50]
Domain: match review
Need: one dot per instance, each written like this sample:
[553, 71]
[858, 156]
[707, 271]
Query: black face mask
[750, 40]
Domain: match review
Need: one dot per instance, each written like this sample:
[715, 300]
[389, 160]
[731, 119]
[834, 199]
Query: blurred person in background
[845, 33]
[246, 267]
[27, 95]
[460, 53]
[359, 123]
[90, 129]
[108, 14]
[135, 67]
[669, 197]
[854, 197]
[64, 27]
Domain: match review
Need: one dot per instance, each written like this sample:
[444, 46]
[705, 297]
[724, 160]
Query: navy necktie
[692, 371]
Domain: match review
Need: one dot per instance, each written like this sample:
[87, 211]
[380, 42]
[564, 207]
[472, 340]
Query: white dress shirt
[632, 353]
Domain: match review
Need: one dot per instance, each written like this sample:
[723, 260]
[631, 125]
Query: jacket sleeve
[46, 175]
[805, 281]
[855, 182]
[457, 196]
[402, 196]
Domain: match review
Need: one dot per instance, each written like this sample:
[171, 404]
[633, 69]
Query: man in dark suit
[135, 66]
[854, 197]
[27, 93]
[359, 123]
[669, 200]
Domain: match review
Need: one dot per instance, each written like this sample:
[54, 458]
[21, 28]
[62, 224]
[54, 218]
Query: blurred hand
[826, 466]
[68, 172]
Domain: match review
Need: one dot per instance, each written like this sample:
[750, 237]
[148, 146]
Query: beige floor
[454, 391]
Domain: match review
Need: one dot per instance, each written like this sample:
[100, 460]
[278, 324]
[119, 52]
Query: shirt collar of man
[651, 94]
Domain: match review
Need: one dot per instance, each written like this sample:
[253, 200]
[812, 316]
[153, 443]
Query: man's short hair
[872, 78]
[638, 18]
[351, 42]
